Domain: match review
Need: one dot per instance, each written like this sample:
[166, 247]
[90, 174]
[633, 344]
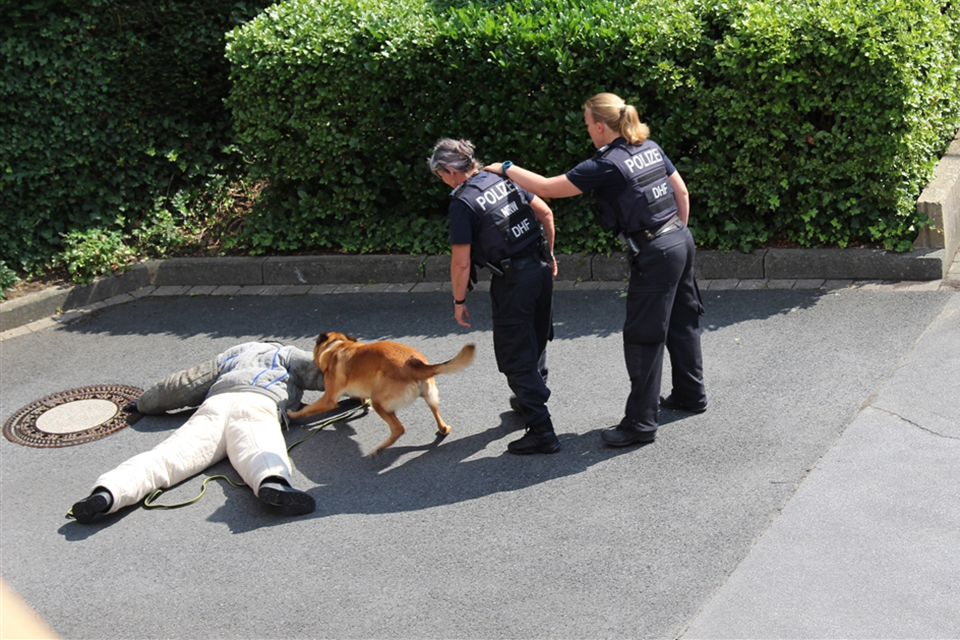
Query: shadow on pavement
[299, 319]
[416, 477]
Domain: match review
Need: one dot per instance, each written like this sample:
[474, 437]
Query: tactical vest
[508, 224]
[648, 199]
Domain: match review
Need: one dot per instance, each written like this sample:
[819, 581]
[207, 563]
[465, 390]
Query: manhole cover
[72, 417]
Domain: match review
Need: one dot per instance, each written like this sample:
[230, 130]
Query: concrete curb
[262, 273]
[940, 201]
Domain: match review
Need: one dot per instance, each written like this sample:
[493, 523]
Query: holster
[506, 266]
[629, 244]
[545, 251]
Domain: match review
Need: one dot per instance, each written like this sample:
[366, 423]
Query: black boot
[672, 403]
[277, 492]
[93, 505]
[540, 438]
[626, 433]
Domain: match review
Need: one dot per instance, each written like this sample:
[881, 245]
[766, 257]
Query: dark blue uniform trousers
[522, 325]
[663, 308]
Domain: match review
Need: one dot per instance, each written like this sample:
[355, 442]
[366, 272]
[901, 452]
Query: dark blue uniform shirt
[602, 175]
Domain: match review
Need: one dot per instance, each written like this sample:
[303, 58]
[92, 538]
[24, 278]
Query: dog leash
[149, 502]
[349, 413]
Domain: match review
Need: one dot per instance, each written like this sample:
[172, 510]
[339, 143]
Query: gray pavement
[815, 498]
[869, 545]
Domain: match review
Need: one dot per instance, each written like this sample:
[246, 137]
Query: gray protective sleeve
[305, 371]
[187, 388]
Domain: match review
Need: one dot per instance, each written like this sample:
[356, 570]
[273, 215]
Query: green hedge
[815, 123]
[808, 122]
[830, 116]
[106, 105]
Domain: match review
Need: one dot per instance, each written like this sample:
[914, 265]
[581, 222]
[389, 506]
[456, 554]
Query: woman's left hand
[461, 315]
[496, 167]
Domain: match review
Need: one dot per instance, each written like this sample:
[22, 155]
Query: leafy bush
[106, 105]
[8, 278]
[829, 118]
[814, 122]
[340, 104]
[203, 219]
[94, 252]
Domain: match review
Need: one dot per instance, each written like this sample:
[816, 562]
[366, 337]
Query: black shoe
[535, 441]
[515, 404]
[670, 403]
[292, 501]
[90, 507]
[625, 434]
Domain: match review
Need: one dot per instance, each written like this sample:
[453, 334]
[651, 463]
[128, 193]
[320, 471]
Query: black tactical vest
[648, 200]
[507, 222]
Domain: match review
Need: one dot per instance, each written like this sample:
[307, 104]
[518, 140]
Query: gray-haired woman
[497, 225]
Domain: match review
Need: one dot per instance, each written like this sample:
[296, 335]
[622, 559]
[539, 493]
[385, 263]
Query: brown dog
[389, 374]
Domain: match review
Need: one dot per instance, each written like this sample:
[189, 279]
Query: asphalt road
[452, 538]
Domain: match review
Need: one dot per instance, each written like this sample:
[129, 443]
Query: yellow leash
[149, 503]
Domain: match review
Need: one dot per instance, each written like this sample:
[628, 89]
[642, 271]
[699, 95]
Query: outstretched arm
[555, 187]
[187, 388]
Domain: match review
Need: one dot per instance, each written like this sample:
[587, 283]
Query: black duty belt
[505, 267]
[645, 235]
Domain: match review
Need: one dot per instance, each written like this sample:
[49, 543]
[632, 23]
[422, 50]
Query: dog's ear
[352, 338]
[321, 338]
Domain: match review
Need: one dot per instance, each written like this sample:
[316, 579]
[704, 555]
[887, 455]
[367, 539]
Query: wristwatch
[503, 168]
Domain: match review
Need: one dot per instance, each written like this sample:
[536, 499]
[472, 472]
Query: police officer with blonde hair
[640, 196]
[495, 224]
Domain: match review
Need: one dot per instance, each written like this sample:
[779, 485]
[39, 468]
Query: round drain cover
[72, 417]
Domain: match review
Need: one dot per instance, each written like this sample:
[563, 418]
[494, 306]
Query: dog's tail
[459, 362]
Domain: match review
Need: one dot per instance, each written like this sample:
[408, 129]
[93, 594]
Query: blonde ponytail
[618, 116]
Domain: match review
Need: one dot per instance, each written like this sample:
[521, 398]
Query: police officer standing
[640, 196]
[495, 224]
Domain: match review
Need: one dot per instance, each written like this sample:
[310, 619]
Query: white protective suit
[243, 394]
